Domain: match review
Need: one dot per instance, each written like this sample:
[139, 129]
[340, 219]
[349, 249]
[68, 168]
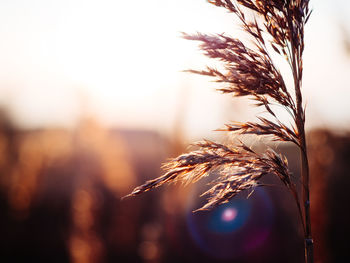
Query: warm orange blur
[62, 188]
[63, 172]
[30, 160]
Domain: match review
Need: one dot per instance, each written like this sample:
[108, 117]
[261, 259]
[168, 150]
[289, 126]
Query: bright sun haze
[122, 62]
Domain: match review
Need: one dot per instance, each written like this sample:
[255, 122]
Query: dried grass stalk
[251, 72]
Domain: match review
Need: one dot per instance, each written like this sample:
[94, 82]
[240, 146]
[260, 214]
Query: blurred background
[93, 99]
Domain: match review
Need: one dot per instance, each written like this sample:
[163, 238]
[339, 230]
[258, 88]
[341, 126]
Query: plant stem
[306, 199]
[296, 65]
[300, 121]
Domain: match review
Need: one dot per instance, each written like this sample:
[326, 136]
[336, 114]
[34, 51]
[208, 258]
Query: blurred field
[60, 202]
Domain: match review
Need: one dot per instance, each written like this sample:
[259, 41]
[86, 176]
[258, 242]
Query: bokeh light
[233, 229]
[229, 214]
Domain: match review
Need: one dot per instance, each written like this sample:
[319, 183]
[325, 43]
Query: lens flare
[228, 217]
[234, 228]
[229, 214]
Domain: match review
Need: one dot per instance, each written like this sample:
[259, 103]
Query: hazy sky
[121, 61]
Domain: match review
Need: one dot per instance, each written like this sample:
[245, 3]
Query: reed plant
[274, 26]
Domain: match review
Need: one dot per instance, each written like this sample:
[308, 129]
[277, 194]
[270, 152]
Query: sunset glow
[122, 62]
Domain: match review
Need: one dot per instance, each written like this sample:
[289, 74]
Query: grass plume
[277, 26]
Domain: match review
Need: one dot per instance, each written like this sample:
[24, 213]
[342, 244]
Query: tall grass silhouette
[274, 26]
